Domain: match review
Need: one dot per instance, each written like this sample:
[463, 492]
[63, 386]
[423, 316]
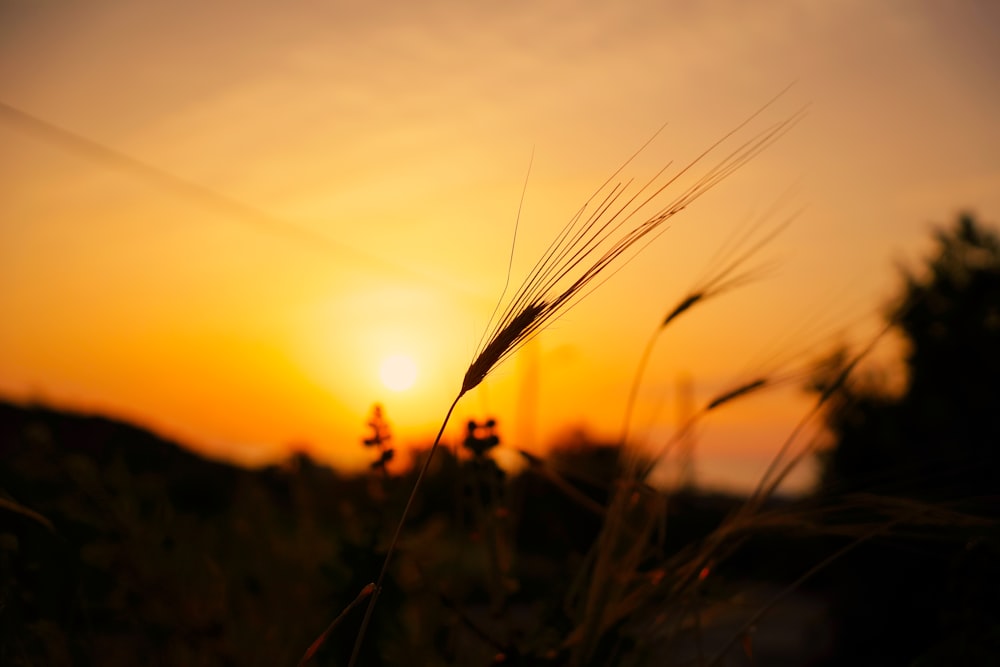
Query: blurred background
[248, 250]
[222, 221]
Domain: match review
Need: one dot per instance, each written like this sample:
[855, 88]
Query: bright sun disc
[398, 372]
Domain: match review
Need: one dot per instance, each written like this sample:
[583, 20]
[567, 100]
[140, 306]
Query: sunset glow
[398, 372]
[227, 224]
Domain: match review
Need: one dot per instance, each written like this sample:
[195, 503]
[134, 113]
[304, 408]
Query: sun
[398, 372]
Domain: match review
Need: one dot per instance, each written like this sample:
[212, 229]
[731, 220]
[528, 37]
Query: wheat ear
[588, 246]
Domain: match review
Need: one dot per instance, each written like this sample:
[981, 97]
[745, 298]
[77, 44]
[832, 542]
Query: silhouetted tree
[941, 437]
[913, 600]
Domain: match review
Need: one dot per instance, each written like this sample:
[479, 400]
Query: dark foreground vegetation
[120, 548]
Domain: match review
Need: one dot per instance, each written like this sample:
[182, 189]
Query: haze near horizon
[225, 222]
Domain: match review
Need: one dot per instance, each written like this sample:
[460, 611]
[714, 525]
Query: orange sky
[334, 184]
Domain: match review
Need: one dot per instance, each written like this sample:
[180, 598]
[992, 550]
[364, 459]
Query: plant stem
[395, 538]
[311, 651]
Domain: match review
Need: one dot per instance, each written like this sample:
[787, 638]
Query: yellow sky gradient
[332, 184]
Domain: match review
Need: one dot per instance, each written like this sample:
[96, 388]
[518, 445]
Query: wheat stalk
[716, 282]
[598, 237]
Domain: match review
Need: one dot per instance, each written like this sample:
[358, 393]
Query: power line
[232, 208]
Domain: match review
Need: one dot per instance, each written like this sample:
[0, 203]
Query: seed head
[504, 342]
[618, 220]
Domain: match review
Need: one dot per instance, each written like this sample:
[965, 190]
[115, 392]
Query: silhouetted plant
[617, 221]
[481, 438]
[485, 494]
[941, 436]
[380, 438]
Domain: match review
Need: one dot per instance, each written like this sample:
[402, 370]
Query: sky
[220, 219]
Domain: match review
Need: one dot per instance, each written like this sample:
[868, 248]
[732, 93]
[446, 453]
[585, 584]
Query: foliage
[120, 548]
[939, 438]
[156, 556]
[926, 597]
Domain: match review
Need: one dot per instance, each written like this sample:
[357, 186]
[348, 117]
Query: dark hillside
[117, 545]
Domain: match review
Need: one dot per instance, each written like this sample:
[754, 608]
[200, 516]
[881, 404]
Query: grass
[627, 572]
[617, 220]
